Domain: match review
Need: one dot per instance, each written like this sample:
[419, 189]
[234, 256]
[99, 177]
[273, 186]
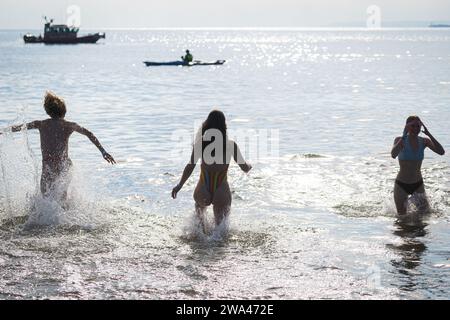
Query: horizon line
[242, 28]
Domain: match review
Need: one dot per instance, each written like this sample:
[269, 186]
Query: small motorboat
[29, 38]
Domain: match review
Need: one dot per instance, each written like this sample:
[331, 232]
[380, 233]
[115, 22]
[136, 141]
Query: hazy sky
[23, 14]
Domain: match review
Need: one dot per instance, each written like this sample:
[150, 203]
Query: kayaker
[188, 57]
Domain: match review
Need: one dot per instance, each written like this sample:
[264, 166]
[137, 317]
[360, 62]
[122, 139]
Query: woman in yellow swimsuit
[215, 151]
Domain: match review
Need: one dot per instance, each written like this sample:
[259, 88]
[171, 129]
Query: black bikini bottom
[410, 188]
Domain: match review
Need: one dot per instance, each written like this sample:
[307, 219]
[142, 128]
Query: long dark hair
[412, 118]
[215, 120]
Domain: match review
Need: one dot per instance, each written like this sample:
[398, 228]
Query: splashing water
[19, 173]
[21, 195]
[200, 227]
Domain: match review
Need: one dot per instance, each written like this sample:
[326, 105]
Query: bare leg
[46, 182]
[400, 197]
[55, 182]
[202, 200]
[220, 213]
[221, 202]
[200, 213]
[44, 185]
[423, 205]
[64, 180]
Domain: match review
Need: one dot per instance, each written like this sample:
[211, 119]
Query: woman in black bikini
[215, 150]
[410, 151]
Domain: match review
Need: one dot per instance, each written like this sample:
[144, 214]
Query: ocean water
[315, 220]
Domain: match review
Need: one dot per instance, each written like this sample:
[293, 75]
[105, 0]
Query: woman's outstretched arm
[94, 140]
[188, 169]
[30, 125]
[237, 155]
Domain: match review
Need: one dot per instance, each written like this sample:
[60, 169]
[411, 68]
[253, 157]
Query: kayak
[212, 63]
[171, 63]
[182, 63]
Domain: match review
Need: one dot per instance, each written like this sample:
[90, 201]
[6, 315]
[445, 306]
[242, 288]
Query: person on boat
[410, 152]
[188, 57]
[215, 150]
[54, 136]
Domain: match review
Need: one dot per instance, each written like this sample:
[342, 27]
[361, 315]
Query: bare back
[222, 164]
[55, 135]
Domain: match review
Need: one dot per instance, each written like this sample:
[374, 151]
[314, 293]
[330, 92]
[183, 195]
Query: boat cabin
[59, 32]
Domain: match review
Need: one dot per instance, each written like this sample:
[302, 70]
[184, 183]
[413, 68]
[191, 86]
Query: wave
[307, 156]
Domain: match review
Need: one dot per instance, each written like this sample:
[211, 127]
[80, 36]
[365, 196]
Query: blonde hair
[54, 105]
